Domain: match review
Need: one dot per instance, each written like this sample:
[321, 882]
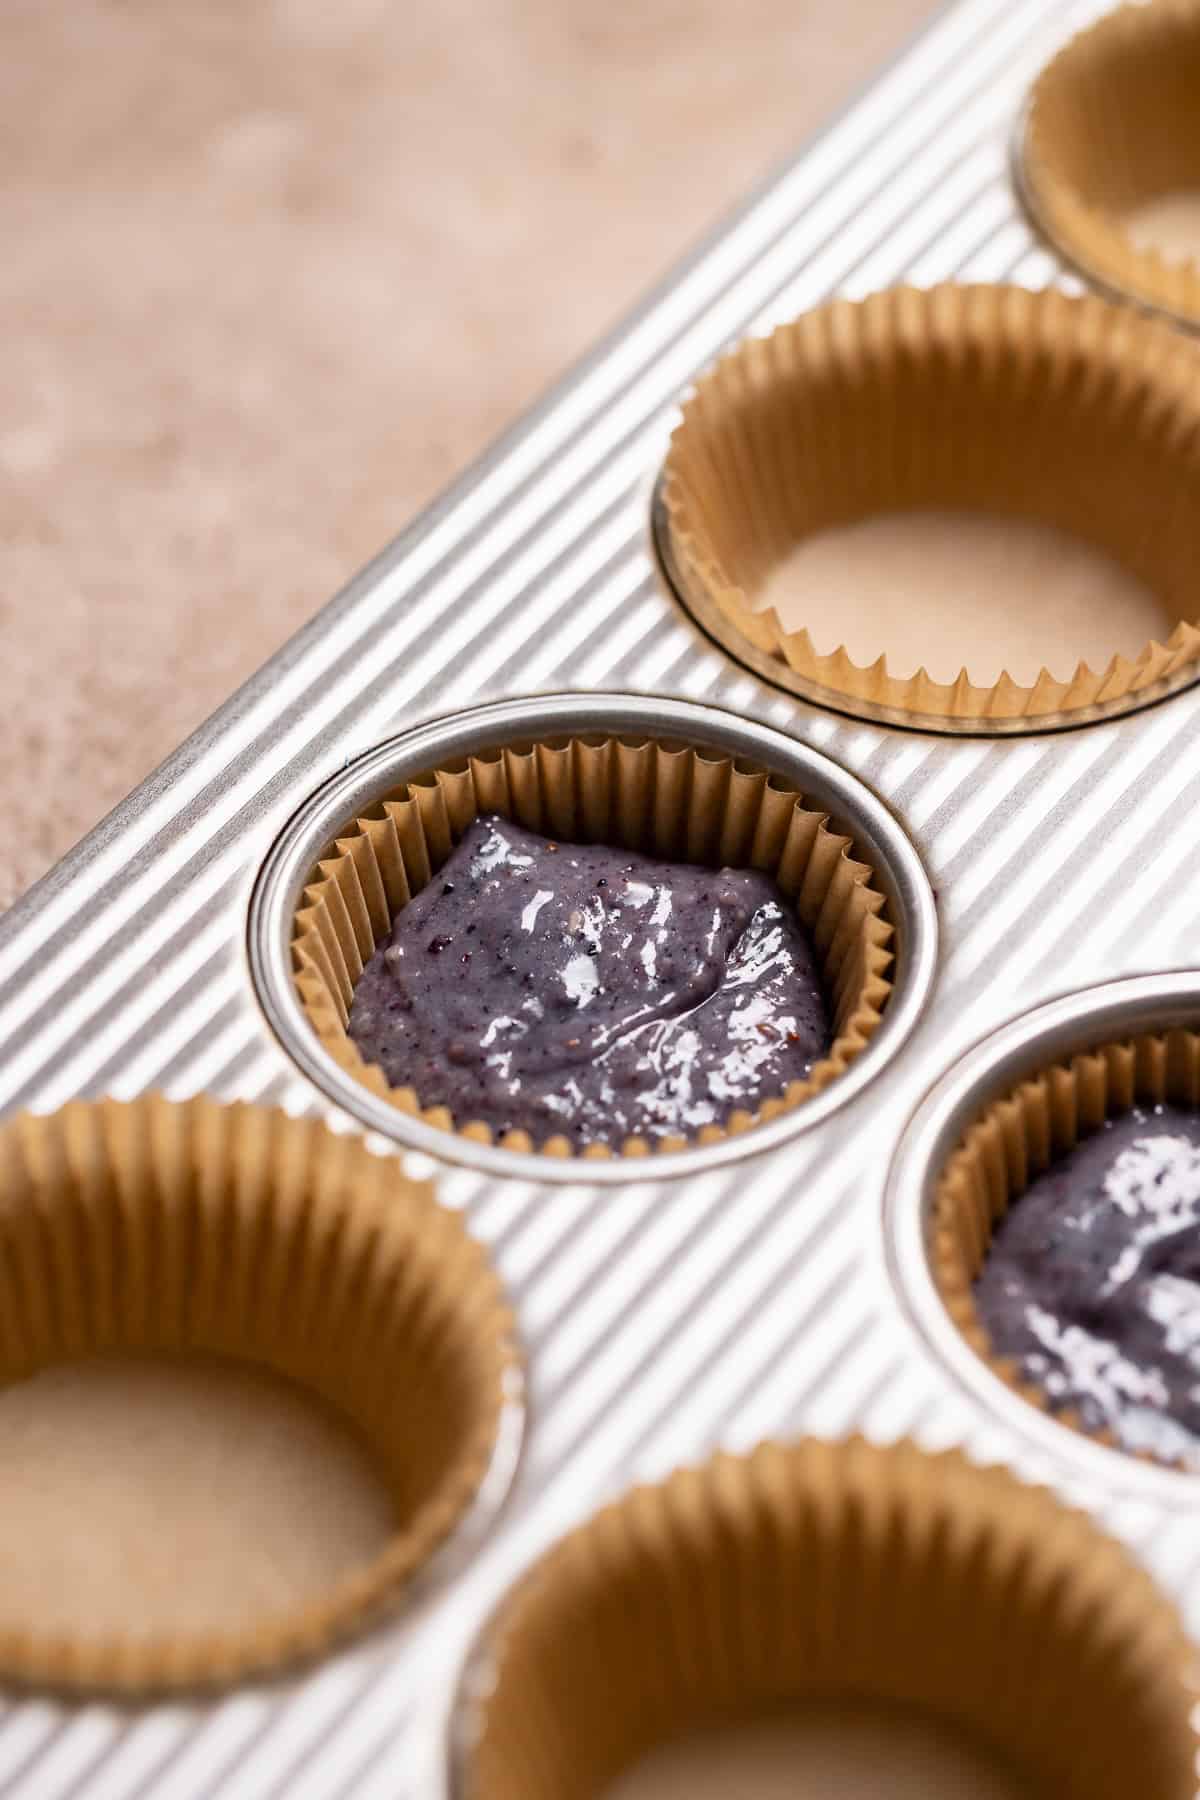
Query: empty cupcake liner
[157, 1228]
[1018, 1136]
[1072, 413]
[669, 801]
[1112, 123]
[822, 1571]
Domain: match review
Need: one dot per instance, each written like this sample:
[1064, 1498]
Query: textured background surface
[274, 271]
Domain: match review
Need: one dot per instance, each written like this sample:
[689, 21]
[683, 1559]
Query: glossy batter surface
[1093, 1282]
[589, 991]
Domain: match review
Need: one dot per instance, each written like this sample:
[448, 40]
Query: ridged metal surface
[660, 1319]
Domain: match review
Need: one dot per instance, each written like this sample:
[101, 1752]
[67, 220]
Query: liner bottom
[859, 1749]
[150, 1441]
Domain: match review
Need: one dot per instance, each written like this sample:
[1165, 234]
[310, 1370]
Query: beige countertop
[273, 272]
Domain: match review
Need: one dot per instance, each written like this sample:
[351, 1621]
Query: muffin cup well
[1113, 122]
[156, 1228]
[1070, 412]
[819, 1571]
[647, 795]
[1015, 1139]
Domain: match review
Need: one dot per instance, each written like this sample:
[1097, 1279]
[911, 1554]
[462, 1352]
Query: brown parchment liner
[833, 1571]
[236, 1231]
[1071, 412]
[1019, 1136]
[1114, 122]
[666, 800]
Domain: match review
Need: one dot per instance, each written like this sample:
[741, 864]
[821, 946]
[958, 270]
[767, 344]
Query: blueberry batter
[589, 991]
[1093, 1283]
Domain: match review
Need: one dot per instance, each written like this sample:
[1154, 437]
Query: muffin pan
[771, 1286]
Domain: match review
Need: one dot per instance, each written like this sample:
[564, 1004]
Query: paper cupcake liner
[165, 1229]
[668, 801]
[1019, 1136]
[1070, 412]
[821, 1571]
[1113, 121]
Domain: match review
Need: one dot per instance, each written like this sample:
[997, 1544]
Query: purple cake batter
[588, 991]
[1092, 1283]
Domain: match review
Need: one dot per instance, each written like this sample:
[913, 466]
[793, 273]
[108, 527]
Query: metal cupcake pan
[777, 1291]
[877, 839]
